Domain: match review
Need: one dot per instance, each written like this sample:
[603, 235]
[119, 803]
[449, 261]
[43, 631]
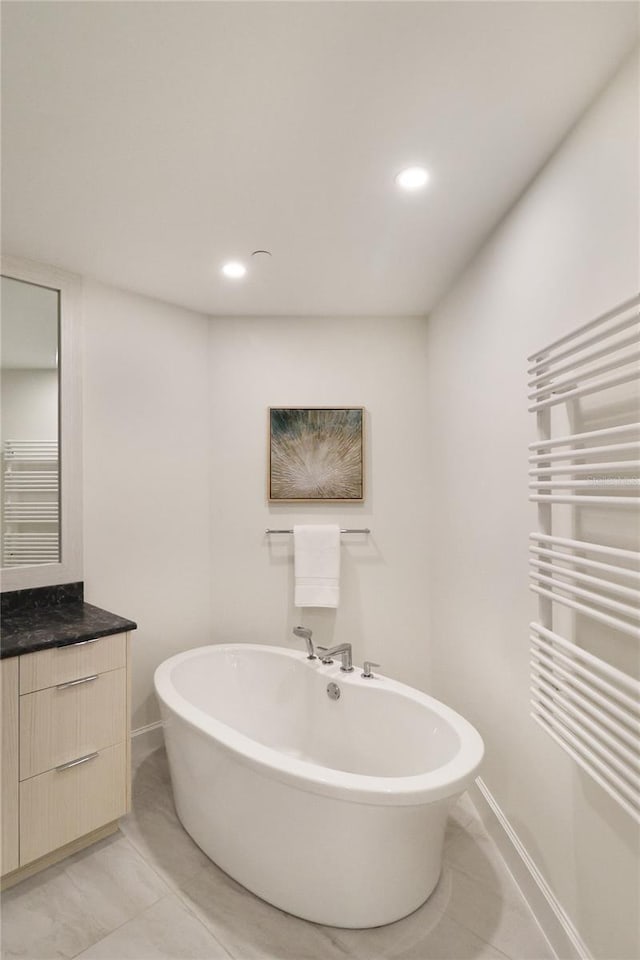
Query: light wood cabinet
[65, 750]
[59, 806]
[70, 720]
[9, 764]
[47, 668]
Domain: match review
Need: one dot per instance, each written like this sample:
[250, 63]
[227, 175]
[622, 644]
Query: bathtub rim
[448, 780]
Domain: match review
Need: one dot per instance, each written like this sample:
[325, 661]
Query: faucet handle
[324, 650]
[367, 674]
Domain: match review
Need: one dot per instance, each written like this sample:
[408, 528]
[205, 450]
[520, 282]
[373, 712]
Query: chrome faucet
[367, 669]
[305, 633]
[343, 651]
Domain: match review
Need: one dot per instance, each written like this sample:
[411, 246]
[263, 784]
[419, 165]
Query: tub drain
[333, 691]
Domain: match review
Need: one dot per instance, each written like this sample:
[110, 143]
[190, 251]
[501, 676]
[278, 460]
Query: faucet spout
[343, 650]
[305, 633]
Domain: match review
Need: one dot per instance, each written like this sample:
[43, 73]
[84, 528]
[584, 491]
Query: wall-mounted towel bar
[342, 530]
[569, 689]
[624, 428]
[629, 306]
[587, 705]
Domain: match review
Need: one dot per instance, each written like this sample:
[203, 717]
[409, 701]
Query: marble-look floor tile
[165, 931]
[160, 838]
[144, 745]
[462, 815]
[429, 933]
[504, 923]
[473, 852]
[153, 826]
[448, 940]
[70, 906]
[249, 928]
[150, 771]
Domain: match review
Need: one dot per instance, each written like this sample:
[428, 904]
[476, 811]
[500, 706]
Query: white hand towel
[317, 565]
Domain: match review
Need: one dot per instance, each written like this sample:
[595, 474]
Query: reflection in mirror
[29, 428]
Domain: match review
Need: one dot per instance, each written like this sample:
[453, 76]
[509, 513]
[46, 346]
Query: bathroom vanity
[65, 665]
[66, 680]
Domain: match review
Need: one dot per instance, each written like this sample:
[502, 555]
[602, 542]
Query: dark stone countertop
[38, 621]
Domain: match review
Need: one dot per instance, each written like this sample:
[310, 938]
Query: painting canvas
[316, 453]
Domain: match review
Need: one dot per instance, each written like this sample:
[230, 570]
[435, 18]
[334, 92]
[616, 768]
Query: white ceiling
[146, 143]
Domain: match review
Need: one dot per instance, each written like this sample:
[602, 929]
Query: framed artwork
[316, 454]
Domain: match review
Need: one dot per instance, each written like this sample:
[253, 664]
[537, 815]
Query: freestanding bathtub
[331, 809]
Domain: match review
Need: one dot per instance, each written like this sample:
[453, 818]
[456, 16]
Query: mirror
[29, 428]
[40, 427]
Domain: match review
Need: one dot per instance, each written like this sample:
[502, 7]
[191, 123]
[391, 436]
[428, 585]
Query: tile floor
[150, 892]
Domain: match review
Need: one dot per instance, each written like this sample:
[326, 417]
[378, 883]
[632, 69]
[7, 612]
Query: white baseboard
[563, 937]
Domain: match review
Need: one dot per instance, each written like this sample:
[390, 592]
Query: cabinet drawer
[62, 664]
[64, 722]
[61, 805]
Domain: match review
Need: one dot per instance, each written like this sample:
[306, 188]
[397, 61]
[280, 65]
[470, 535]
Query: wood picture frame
[316, 455]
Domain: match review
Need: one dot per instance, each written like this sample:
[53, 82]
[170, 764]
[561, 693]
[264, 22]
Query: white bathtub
[333, 810]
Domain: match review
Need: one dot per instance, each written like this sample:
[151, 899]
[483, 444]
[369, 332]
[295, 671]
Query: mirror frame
[69, 569]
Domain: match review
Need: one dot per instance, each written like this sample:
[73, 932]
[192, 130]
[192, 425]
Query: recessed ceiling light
[234, 270]
[413, 178]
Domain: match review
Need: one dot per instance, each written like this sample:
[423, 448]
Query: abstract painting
[316, 453]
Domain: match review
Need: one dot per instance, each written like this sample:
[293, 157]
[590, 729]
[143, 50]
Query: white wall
[171, 397]
[175, 448]
[568, 251]
[378, 364]
[146, 475]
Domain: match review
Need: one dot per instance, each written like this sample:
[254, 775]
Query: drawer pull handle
[74, 763]
[74, 683]
[81, 643]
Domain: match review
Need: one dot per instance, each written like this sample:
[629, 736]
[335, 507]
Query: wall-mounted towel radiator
[591, 583]
[30, 503]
